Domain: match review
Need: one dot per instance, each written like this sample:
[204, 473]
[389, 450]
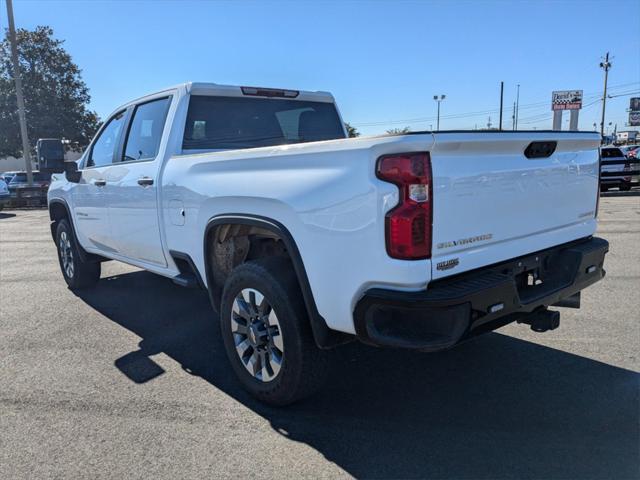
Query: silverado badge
[466, 241]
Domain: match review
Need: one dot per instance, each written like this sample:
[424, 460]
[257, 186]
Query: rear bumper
[454, 309]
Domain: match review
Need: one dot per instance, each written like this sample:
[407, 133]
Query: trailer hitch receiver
[541, 320]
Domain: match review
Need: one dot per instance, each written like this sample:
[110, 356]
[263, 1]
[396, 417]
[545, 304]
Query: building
[627, 136]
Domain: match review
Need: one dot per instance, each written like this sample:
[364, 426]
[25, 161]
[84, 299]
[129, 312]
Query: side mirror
[71, 171]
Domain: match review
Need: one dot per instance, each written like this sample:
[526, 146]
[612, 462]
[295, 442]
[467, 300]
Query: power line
[534, 105]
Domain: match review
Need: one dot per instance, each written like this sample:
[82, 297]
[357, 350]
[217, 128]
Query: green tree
[352, 131]
[55, 95]
[398, 131]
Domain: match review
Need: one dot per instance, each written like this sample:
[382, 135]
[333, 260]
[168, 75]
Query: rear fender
[323, 335]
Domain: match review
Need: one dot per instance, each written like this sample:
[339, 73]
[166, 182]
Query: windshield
[239, 122]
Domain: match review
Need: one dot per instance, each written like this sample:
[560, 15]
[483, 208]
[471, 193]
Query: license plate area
[539, 275]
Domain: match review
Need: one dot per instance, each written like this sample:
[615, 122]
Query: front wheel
[267, 334]
[77, 272]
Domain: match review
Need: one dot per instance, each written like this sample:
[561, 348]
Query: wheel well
[232, 240]
[231, 244]
[57, 211]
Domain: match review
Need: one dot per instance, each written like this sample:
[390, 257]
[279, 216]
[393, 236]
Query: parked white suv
[305, 239]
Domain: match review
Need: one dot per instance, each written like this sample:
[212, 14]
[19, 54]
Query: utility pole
[26, 152]
[489, 124]
[606, 65]
[513, 117]
[517, 105]
[438, 98]
[501, 102]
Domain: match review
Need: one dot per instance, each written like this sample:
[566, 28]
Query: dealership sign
[634, 112]
[566, 100]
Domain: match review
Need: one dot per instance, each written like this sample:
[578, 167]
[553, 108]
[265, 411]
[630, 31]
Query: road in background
[130, 380]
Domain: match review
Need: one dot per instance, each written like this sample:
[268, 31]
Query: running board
[188, 276]
[187, 280]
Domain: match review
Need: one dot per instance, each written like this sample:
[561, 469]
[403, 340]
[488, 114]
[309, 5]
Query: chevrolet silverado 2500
[306, 239]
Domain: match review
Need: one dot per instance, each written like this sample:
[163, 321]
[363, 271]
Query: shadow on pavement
[497, 407]
[6, 215]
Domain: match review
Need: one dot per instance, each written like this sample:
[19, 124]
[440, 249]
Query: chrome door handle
[100, 183]
[145, 181]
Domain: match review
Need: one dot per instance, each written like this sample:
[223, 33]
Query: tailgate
[492, 203]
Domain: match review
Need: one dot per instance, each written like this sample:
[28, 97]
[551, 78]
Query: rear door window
[238, 122]
[145, 132]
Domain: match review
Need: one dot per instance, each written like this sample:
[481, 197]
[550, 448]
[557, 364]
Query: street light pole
[501, 103]
[606, 65]
[438, 98]
[22, 118]
[517, 105]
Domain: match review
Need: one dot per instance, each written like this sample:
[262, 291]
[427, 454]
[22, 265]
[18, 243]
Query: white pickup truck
[306, 239]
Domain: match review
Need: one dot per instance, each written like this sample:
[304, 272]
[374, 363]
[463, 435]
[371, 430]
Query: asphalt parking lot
[129, 380]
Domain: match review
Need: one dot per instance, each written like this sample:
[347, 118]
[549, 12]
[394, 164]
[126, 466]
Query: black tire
[304, 366]
[625, 188]
[82, 274]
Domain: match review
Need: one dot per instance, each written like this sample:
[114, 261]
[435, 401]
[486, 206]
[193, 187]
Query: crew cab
[306, 239]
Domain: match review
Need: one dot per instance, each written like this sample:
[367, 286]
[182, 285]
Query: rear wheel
[267, 334]
[76, 272]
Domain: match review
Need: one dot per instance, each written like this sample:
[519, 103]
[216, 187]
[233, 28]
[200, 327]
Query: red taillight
[408, 225]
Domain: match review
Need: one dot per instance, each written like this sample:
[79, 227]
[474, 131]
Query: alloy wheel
[66, 254]
[257, 334]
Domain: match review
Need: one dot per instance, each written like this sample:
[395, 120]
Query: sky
[383, 61]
